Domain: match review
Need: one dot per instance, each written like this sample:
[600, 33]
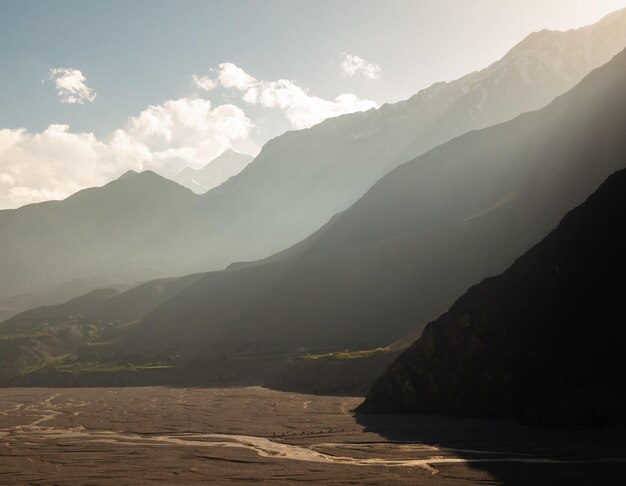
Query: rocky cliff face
[541, 343]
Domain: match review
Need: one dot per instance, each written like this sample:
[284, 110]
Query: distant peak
[134, 178]
[613, 15]
[229, 152]
[128, 174]
[226, 154]
[144, 174]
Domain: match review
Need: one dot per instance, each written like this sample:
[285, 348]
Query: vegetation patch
[359, 354]
[78, 367]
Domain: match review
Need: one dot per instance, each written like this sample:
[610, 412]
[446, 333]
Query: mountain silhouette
[541, 342]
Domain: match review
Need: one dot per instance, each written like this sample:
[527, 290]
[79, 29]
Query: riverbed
[161, 435]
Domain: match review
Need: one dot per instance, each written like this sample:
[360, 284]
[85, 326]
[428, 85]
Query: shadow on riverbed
[511, 453]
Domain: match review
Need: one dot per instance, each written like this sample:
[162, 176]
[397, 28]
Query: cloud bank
[186, 132]
[300, 108]
[71, 87]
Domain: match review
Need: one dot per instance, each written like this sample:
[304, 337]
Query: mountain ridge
[420, 236]
[292, 188]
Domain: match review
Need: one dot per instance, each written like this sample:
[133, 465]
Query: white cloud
[184, 132]
[204, 83]
[166, 138]
[50, 165]
[353, 65]
[57, 162]
[232, 76]
[71, 87]
[300, 108]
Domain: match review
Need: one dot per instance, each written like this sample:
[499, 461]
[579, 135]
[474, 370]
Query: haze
[355, 242]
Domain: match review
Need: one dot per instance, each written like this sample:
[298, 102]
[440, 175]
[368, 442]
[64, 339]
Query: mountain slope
[50, 314]
[419, 237]
[543, 341]
[14, 304]
[228, 164]
[136, 302]
[103, 305]
[90, 233]
[81, 326]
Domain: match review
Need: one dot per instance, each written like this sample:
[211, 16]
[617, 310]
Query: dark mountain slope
[133, 304]
[418, 238]
[542, 342]
[190, 321]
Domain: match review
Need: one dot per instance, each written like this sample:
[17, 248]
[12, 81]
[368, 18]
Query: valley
[233, 252]
[80, 436]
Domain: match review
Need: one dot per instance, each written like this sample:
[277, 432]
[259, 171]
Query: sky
[92, 89]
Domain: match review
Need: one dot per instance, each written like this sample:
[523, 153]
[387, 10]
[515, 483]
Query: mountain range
[380, 248]
[401, 254]
[417, 239]
[142, 227]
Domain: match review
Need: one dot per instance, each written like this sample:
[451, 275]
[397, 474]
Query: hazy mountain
[104, 305]
[143, 227]
[543, 341]
[301, 179]
[419, 237]
[220, 169]
[96, 232]
[52, 314]
[37, 337]
[133, 304]
[9, 306]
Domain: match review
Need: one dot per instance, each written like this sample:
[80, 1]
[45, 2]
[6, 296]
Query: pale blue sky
[136, 53]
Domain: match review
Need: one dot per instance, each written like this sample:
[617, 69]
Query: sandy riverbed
[157, 435]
